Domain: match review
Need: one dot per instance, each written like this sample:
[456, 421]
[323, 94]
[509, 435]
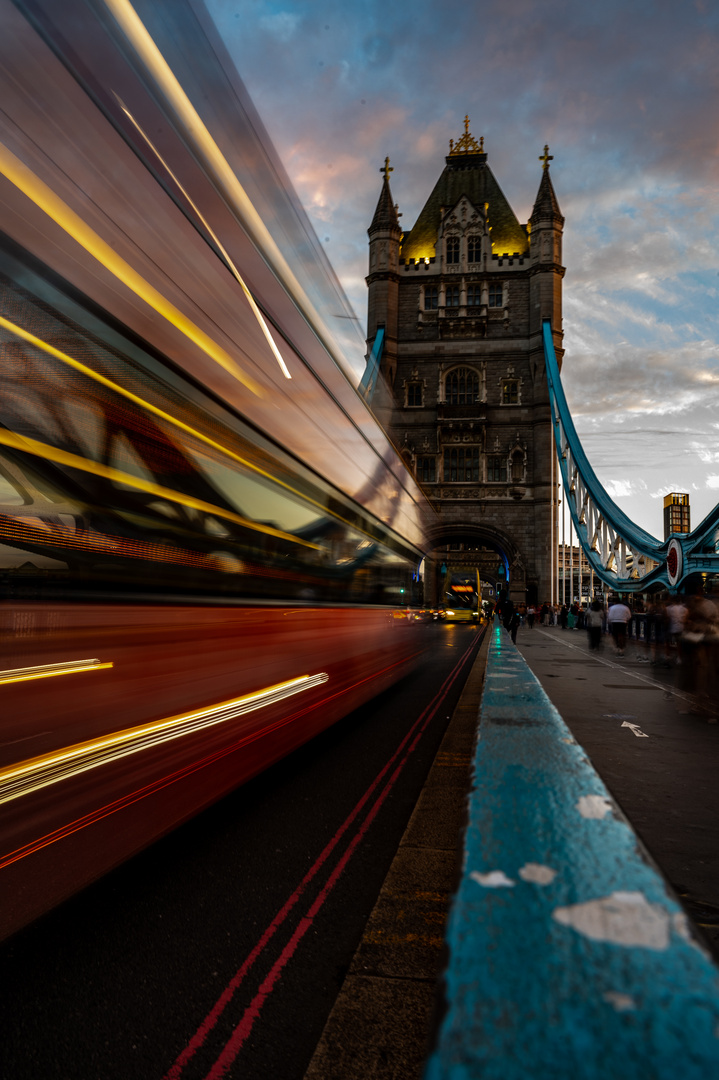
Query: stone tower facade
[461, 298]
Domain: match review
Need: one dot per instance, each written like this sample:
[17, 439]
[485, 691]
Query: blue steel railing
[569, 957]
[621, 553]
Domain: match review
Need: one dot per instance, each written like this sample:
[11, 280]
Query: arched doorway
[469, 546]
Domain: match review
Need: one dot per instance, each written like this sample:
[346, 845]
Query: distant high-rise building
[676, 514]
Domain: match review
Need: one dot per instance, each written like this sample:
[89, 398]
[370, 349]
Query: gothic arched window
[474, 248]
[425, 468]
[497, 470]
[461, 465]
[461, 387]
[474, 295]
[517, 466]
[431, 298]
[496, 295]
[452, 296]
[414, 394]
[510, 392]
[453, 249]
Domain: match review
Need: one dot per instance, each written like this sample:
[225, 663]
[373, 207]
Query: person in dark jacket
[594, 620]
[509, 615]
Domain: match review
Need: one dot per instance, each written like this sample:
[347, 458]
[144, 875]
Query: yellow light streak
[39, 343]
[188, 118]
[47, 769]
[225, 254]
[18, 173]
[48, 671]
[74, 461]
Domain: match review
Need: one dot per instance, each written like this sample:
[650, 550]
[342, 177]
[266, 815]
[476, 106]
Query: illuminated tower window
[510, 392]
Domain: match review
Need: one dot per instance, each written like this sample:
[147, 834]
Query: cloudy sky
[626, 94]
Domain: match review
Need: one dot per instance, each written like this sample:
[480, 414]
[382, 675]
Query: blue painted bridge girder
[368, 382]
[622, 554]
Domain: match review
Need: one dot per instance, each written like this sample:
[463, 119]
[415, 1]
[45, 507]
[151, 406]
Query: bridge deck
[569, 954]
[666, 783]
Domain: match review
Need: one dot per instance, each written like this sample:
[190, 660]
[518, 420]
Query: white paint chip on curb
[594, 806]
[538, 874]
[622, 918]
[495, 879]
[620, 1002]
[682, 927]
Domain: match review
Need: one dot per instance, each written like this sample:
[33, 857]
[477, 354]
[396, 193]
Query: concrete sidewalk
[658, 760]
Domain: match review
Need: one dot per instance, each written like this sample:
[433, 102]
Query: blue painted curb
[569, 958]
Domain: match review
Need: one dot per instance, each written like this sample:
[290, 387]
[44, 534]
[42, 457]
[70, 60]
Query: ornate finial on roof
[467, 144]
[386, 168]
[546, 157]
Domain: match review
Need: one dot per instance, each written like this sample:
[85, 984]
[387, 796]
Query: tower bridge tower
[463, 393]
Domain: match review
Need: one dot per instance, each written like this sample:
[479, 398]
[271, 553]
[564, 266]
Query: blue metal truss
[623, 555]
[368, 382]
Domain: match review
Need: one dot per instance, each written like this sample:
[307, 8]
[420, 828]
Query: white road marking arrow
[636, 730]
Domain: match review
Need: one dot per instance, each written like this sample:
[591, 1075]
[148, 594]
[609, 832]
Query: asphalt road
[219, 952]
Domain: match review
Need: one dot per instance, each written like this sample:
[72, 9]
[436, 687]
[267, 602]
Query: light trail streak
[48, 671]
[393, 766]
[41, 772]
[45, 346]
[187, 117]
[74, 461]
[225, 254]
[18, 173]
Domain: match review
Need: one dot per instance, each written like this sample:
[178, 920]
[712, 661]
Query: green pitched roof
[469, 175]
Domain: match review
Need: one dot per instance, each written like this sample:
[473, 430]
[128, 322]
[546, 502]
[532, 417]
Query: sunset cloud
[625, 95]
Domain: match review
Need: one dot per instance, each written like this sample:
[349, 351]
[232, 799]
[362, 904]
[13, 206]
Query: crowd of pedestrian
[680, 631]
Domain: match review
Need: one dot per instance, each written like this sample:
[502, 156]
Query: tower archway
[469, 545]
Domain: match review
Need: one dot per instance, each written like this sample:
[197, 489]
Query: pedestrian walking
[593, 621]
[700, 652]
[617, 618]
[508, 614]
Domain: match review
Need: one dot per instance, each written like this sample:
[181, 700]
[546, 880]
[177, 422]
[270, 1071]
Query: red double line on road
[251, 1013]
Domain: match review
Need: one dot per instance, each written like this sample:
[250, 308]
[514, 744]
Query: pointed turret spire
[546, 204]
[385, 216]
